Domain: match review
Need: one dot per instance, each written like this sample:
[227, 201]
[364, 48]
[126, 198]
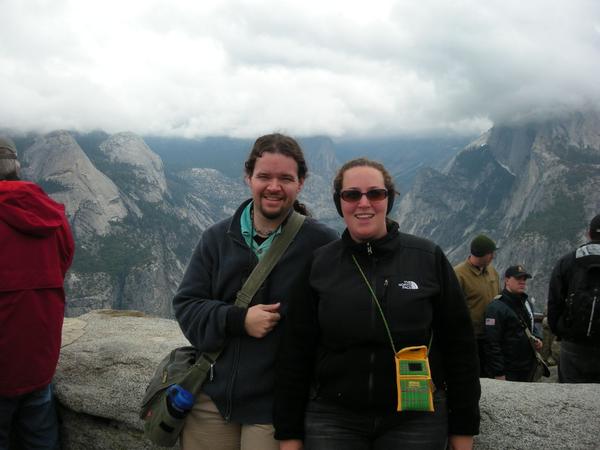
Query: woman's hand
[291, 444]
[460, 442]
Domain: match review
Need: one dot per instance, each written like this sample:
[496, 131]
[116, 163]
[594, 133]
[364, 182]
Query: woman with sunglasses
[343, 381]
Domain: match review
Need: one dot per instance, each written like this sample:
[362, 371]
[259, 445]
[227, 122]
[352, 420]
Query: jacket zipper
[230, 384]
[236, 355]
[385, 288]
[371, 376]
[371, 382]
[589, 331]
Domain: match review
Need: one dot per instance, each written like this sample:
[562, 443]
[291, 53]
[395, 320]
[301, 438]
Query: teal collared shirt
[248, 230]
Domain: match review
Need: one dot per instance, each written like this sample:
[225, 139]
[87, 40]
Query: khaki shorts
[205, 429]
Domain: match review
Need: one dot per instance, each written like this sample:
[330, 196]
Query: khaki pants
[205, 429]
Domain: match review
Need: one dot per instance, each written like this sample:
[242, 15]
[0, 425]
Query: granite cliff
[531, 187]
[134, 229]
[137, 216]
[135, 222]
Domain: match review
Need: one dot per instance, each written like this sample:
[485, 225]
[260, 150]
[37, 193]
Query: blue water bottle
[179, 401]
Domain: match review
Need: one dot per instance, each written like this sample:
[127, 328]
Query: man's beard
[274, 215]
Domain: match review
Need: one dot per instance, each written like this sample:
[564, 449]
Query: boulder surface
[109, 356]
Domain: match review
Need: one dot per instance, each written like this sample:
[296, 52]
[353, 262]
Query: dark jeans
[578, 363]
[481, 353]
[31, 419]
[522, 375]
[331, 427]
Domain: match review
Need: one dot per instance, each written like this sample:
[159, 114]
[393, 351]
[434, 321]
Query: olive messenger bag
[187, 367]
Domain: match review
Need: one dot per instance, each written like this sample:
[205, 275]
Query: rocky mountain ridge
[135, 223]
[533, 188]
[137, 217]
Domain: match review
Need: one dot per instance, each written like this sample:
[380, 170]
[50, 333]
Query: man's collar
[476, 269]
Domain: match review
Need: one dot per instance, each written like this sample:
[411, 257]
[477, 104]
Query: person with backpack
[574, 310]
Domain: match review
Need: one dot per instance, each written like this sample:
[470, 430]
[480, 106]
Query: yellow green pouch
[413, 380]
[413, 375]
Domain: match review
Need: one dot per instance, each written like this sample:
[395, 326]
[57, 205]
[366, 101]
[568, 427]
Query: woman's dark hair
[284, 145]
[363, 162]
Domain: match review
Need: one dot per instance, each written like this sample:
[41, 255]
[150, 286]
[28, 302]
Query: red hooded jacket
[36, 249]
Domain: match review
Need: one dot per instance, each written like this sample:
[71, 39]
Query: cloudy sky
[337, 67]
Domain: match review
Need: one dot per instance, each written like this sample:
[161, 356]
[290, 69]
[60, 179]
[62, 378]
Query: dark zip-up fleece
[507, 346]
[243, 377]
[335, 339]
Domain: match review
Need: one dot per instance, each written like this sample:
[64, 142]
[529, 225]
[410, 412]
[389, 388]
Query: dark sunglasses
[374, 195]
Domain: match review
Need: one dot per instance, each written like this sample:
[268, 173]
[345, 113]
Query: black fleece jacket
[335, 339]
[507, 347]
[243, 379]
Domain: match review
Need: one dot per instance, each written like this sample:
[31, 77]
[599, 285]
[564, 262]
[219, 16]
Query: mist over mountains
[532, 187]
[139, 205]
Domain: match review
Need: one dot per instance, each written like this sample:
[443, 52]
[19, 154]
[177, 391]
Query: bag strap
[206, 361]
[528, 333]
[376, 301]
[267, 262]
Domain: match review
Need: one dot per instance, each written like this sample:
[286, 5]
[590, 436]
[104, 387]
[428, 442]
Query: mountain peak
[60, 166]
[138, 166]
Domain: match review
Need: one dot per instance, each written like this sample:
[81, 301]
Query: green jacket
[479, 288]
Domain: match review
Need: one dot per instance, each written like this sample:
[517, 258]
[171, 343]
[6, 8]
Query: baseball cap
[516, 271]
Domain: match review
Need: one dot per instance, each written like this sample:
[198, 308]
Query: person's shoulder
[330, 248]
[23, 188]
[418, 243]
[496, 305]
[461, 267]
[569, 256]
[219, 228]
[492, 270]
[319, 230]
[565, 262]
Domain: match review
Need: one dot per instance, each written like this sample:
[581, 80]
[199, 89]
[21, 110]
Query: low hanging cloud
[240, 68]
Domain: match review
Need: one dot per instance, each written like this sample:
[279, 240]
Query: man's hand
[291, 444]
[538, 344]
[261, 319]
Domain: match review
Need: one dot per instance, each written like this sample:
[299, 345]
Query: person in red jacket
[36, 250]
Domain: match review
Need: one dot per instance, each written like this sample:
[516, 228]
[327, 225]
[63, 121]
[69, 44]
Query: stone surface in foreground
[109, 356]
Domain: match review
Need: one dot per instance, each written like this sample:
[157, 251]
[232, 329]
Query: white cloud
[306, 67]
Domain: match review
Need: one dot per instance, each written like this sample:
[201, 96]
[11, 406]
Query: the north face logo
[408, 285]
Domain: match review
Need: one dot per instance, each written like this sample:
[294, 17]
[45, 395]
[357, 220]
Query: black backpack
[582, 309]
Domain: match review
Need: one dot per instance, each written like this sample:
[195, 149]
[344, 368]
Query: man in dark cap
[574, 310]
[509, 354]
[36, 249]
[480, 284]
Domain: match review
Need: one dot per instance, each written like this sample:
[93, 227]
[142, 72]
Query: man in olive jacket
[480, 284]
